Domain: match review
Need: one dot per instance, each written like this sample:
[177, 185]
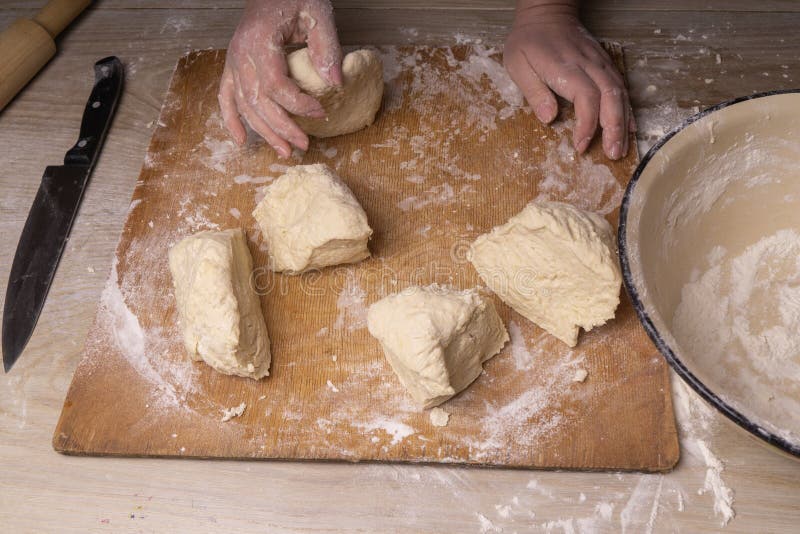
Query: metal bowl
[709, 242]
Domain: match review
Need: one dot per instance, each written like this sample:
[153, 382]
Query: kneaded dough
[349, 107]
[436, 338]
[555, 264]
[219, 311]
[310, 219]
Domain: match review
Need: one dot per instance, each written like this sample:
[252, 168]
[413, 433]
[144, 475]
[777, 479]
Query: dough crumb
[439, 417]
[90, 269]
[230, 413]
[332, 387]
[580, 375]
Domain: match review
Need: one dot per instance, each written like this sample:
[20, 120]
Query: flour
[438, 195]
[398, 431]
[143, 349]
[352, 308]
[593, 187]
[523, 358]
[723, 495]
[247, 179]
[486, 524]
[749, 164]
[742, 316]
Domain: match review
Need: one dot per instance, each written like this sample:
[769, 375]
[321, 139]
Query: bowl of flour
[710, 250]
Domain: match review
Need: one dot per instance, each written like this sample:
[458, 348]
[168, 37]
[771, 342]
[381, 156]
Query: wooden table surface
[680, 54]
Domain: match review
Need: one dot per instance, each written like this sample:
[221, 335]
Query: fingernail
[282, 152]
[616, 150]
[544, 113]
[583, 145]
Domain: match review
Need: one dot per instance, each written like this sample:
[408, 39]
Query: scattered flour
[742, 315]
[438, 195]
[398, 431]
[352, 309]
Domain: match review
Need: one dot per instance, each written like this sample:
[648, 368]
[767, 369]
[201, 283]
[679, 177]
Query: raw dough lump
[555, 264]
[310, 219]
[349, 107]
[219, 311]
[436, 338]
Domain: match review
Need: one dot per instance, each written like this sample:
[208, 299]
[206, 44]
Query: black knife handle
[109, 75]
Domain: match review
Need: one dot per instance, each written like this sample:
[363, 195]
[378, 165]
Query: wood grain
[312, 407]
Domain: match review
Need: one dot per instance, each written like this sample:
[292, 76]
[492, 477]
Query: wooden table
[679, 56]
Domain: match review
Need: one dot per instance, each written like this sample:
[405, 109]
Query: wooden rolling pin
[27, 45]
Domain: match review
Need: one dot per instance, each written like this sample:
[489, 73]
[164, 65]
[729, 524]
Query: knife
[49, 221]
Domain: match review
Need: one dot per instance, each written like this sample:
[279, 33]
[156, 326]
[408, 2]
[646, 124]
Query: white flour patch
[193, 216]
[523, 359]
[438, 195]
[143, 349]
[397, 430]
[593, 187]
[220, 151]
[352, 310]
[486, 524]
[235, 213]
[742, 314]
[247, 179]
[640, 512]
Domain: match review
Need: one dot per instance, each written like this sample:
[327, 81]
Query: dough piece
[436, 339]
[220, 313]
[310, 219]
[439, 417]
[554, 264]
[349, 107]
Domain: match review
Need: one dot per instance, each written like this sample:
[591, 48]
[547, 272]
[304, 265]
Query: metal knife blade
[50, 218]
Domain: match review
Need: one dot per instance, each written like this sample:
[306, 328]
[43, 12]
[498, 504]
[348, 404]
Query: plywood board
[452, 154]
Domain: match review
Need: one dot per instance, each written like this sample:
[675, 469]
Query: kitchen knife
[50, 218]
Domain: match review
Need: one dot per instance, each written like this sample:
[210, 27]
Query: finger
[227, 106]
[280, 123]
[323, 43]
[262, 128]
[613, 110]
[536, 92]
[576, 86]
[267, 75]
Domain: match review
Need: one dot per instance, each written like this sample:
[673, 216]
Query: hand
[255, 84]
[549, 50]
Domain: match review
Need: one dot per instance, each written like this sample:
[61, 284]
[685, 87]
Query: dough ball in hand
[351, 106]
[554, 264]
[436, 338]
[310, 219]
[220, 313]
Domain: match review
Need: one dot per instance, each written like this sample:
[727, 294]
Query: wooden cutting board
[451, 155]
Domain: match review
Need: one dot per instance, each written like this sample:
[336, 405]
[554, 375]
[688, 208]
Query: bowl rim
[663, 347]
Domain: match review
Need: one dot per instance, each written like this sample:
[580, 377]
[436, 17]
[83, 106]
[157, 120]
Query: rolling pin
[27, 45]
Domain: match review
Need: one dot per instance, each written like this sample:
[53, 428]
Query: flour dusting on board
[143, 349]
[352, 310]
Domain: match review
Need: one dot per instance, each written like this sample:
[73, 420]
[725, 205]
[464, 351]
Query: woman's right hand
[255, 84]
